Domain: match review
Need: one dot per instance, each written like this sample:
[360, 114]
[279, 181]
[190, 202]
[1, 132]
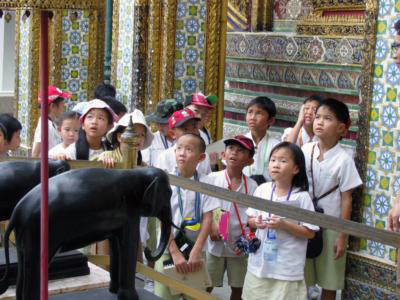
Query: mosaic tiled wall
[287, 12]
[75, 54]
[190, 42]
[383, 179]
[24, 79]
[125, 52]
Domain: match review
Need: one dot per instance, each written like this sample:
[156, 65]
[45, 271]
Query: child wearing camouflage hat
[162, 138]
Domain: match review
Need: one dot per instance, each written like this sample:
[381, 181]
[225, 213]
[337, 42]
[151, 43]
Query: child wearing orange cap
[55, 99]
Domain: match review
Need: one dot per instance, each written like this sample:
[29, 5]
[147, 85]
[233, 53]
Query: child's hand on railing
[195, 261]
[180, 262]
[108, 162]
[61, 156]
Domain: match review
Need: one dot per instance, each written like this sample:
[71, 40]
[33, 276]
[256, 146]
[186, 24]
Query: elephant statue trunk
[165, 218]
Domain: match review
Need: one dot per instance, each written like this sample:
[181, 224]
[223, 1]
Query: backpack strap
[316, 199]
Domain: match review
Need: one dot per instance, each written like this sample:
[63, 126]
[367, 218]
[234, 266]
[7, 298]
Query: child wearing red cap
[181, 122]
[223, 255]
[202, 107]
[55, 100]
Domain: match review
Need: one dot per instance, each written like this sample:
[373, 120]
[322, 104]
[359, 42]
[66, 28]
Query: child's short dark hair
[202, 144]
[315, 98]
[103, 89]
[397, 26]
[264, 103]
[339, 108]
[300, 179]
[4, 131]
[11, 125]
[115, 105]
[69, 115]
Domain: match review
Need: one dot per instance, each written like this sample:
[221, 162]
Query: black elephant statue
[18, 177]
[86, 206]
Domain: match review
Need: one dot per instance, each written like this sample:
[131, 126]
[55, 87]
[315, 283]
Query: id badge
[270, 247]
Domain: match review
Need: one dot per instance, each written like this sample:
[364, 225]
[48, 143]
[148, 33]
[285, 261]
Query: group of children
[307, 169]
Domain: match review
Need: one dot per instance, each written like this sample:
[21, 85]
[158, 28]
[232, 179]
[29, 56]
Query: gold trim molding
[215, 52]
[53, 4]
[326, 5]
[332, 25]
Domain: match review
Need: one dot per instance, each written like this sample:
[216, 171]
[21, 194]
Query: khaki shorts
[236, 268]
[152, 225]
[324, 270]
[267, 288]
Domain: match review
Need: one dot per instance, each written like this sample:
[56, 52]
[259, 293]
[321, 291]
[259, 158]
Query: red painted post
[44, 151]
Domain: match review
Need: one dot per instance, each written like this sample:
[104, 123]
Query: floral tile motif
[75, 55]
[384, 138]
[190, 48]
[298, 49]
[24, 77]
[124, 78]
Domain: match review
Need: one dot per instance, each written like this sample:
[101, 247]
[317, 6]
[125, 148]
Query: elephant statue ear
[150, 196]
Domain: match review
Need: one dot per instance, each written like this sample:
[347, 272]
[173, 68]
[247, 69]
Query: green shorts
[324, 270]
[160, 289]
[236, 268]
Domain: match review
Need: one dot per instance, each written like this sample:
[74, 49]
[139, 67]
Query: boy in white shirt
[56, 108]
[302, 132]
[162, 138]
[330, 170]
[260, 115]
[222, 255]
[190, 210]
[181, 122]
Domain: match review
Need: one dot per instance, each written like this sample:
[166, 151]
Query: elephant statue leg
[128, 248]
[31, 277]
[114, 261]
[21, 275]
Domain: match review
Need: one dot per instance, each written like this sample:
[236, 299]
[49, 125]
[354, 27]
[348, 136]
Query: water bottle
[270, 248]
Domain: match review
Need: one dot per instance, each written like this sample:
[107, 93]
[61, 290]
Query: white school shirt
[159, 144]
[337, 168]
[54, 137]
[167, 161]
[218, 248]
[261, 156]
[71, 152]
[291, 249]
[56, 150]
[207, 204]
[206, 138]
[302, 139]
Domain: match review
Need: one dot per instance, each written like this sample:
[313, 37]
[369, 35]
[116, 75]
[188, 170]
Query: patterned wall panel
[24, 78]
[75, 54]
[287, 12]
[190, 48]
[383, 177]
[303, 49]
[125, 51]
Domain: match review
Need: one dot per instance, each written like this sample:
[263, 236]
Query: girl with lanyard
[276, 269]
[222, 253]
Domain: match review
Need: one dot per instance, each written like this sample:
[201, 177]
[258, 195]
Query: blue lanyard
[272, 198]
[196, 204]
[164, 141]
